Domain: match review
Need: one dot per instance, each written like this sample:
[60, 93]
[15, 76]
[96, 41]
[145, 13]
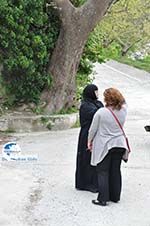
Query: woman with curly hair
[107, 144]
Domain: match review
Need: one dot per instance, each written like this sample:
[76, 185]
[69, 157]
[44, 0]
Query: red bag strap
[117, 121]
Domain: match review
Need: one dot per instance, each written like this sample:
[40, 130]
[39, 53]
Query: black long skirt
[86, 175]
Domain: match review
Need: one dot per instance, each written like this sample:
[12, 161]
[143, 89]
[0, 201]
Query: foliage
[143, 64]
[95, 50]
[27, 36]
[125, 27]
[78, 3]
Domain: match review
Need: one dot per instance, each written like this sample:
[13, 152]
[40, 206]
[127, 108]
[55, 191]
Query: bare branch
[115, 1]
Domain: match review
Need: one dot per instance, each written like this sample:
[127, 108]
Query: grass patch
[68, 111]
[49, 126]
[143, 64]
[44, 120]
[9, 130]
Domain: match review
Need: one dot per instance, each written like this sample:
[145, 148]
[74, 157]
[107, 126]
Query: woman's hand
[89, 144]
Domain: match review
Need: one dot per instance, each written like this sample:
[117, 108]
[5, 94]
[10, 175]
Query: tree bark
[76, 25]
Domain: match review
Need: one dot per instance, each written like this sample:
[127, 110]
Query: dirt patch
[4, 138]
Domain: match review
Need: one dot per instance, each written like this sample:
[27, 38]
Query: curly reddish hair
[113, 98]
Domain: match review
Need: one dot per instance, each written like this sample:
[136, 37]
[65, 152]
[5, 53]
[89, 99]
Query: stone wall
[20, 123]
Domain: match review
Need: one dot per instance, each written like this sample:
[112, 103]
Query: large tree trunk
[77, 23]
[63, 67]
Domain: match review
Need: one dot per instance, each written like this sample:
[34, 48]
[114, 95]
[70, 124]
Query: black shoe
[100, 203]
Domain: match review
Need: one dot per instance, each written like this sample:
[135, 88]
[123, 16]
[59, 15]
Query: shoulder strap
[117, 120]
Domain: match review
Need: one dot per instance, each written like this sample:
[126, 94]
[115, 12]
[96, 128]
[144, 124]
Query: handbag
[125, 156]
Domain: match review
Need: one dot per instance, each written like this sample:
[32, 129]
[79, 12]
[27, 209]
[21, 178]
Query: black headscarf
[89, 92]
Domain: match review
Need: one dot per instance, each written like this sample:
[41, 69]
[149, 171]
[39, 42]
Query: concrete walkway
[42, 193]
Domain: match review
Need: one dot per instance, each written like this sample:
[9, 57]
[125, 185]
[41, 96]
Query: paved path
[43, 194]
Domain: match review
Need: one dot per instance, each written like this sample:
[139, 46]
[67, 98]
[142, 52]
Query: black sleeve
[87, 111]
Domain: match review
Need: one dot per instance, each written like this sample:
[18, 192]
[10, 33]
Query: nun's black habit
[86, 176]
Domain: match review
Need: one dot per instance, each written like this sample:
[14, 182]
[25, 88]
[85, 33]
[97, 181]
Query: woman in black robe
[86, 176]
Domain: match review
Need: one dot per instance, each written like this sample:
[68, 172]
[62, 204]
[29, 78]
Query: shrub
[28, 31]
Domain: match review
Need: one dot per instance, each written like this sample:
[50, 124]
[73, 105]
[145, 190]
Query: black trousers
[109, 176]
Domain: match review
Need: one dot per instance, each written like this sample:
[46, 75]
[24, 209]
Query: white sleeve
[125, 108]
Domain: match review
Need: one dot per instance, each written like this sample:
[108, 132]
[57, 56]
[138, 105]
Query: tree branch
[65, 8]
[93, 11]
